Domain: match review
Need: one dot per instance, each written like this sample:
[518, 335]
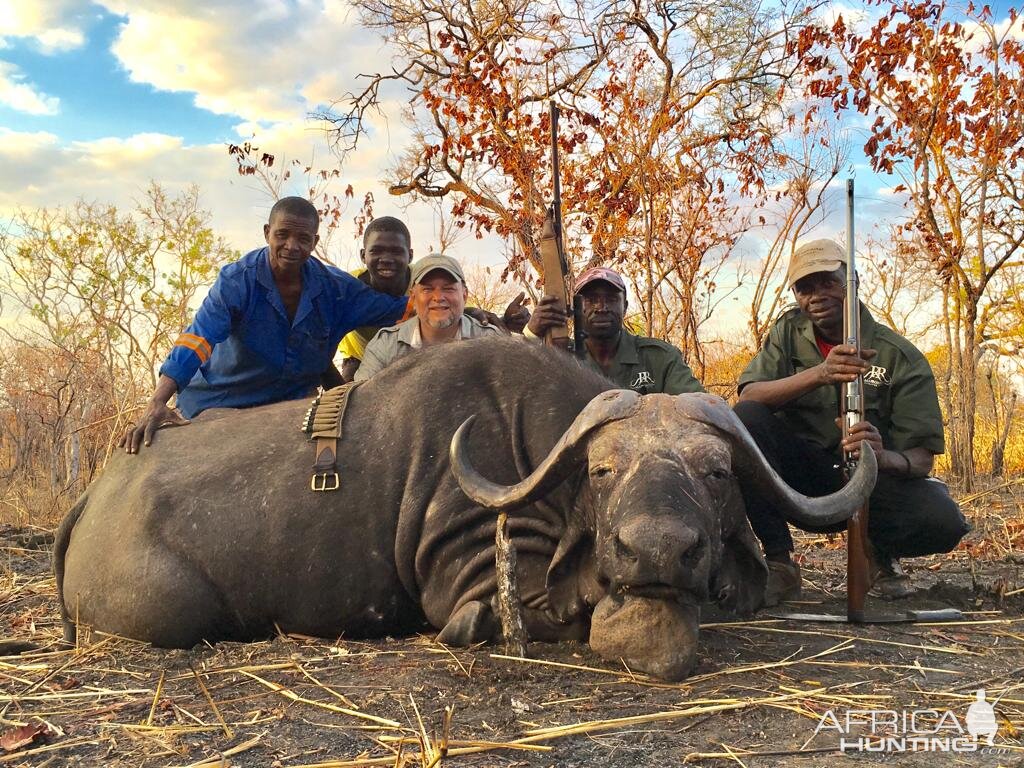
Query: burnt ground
[760, 691]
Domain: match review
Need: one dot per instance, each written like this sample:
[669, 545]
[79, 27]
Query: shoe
[888, 580]
[783, 582]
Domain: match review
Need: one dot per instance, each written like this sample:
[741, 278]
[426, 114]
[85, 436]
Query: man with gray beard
[439, 296]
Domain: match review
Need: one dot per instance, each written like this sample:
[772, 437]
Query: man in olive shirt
[639, 363]
[789, 401]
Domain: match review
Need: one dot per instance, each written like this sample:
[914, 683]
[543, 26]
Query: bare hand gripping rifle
[552, 252]
[852, 405]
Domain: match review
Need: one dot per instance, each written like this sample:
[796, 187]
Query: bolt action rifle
[552, 252]
[852, 406]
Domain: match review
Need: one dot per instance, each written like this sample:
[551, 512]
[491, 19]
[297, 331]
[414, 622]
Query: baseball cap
[600, 273]
[816, 256]
[434, 261]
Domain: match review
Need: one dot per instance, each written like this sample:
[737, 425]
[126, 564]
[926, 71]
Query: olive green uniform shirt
[899, 389]
[648, 365]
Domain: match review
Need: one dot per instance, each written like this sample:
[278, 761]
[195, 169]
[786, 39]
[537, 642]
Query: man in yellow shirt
[386, 253]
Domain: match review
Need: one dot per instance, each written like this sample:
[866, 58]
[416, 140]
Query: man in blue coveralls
[268, 328]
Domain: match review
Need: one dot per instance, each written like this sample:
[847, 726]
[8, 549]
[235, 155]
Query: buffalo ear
[740, 581]
[570, 571]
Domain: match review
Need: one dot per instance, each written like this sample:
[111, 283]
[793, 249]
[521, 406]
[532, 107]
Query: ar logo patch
[643, 379]
[876, 377]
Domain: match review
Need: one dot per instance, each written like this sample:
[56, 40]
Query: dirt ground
[761, 689]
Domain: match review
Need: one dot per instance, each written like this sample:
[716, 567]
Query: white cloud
[36, 170]
[54, 25]
[23, 96]
[273, 62]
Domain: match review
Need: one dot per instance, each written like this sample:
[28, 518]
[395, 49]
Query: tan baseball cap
[816, 256]
[437, 261]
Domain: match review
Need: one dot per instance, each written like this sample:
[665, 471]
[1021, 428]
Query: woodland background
[684, 126]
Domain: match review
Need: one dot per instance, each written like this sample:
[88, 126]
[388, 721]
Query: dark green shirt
[899, 390]
[647, 366]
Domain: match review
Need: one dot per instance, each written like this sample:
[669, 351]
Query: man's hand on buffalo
[158, 414]
[550, 313]
[843, 364]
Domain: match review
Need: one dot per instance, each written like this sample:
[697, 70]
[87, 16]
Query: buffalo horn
[751, 464]
[606, 407]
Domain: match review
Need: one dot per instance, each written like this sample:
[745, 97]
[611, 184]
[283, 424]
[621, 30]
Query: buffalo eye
[719, 474]
[601, 472]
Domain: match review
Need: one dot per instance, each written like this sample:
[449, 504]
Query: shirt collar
[867, 328]
[409, 331]
[313, 273]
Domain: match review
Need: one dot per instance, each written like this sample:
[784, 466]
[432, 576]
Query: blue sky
[96, 97]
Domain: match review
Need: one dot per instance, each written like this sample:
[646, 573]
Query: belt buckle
[325, 481]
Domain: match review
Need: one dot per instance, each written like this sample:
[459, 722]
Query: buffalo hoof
[473, 623]
[658, 637]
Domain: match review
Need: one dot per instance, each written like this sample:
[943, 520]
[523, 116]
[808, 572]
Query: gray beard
[440, 325]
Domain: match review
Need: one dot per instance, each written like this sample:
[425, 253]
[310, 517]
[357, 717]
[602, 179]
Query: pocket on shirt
[316, 353]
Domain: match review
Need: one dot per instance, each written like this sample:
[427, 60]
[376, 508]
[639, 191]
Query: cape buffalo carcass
[627, 514]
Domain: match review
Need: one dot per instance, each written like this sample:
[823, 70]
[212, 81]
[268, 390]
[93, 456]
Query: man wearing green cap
[439, 297]
[642, 364]
[789, 402]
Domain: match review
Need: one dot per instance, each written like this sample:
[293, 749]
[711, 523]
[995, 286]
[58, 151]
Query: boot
[888, 580]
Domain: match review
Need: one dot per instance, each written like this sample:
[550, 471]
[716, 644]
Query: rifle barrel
[857, 546]
[556, 201]
[853, 392]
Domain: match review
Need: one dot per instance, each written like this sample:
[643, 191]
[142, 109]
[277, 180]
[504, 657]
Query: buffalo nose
[657, 540]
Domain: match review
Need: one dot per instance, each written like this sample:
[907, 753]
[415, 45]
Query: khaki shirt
[647, 366]
[899, 389]
[396, 342]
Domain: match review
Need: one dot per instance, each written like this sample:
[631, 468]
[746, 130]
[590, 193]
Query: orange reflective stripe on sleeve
[410, 311]
[197, 344]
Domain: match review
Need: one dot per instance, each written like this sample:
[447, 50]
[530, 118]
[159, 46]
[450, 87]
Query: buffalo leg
[476, 622]
[170, 604]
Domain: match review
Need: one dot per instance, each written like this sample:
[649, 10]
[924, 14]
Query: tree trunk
[74, 458]
[999, 444]
[968, 394]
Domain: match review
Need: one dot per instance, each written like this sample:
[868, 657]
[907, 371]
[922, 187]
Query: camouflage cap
[600, 273]
[434, 261]
[816, 256]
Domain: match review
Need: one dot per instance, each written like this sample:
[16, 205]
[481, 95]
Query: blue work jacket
[241, 350]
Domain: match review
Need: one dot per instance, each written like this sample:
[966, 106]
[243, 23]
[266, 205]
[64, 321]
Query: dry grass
[301, 703]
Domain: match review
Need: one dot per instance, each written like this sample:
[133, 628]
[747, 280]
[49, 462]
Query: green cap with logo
[433, 261]
[816, 256]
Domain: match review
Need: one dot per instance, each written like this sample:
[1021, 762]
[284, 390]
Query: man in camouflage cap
[639, 363]
[789, 401]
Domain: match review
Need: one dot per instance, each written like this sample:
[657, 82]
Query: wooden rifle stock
[552, 251]
[852, 405]
[554, 280]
